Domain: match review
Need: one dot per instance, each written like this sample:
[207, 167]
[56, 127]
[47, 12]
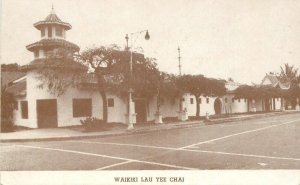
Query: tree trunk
[102, 91]
[197, 106]
[248, 104]
[104, 106]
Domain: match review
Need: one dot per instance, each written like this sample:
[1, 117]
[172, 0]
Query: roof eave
[41, 23]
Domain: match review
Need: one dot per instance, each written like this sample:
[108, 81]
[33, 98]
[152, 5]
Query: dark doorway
[46, 113]
[267, 105]
[218, 106]
[141, 110]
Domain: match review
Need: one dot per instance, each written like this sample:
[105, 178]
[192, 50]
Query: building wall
[18, 120]
[169, 107]
[278, 104]
[65, 105]
[204, 106]
[239, 105]
[117, 113]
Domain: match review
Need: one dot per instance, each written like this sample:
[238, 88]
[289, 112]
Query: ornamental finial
[52, 10]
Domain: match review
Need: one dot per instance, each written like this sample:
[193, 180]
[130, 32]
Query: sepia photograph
[150, 92]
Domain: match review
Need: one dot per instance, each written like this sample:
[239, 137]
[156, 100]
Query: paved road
[260, 143]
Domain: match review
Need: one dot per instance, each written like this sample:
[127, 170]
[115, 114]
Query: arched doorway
[218, 106]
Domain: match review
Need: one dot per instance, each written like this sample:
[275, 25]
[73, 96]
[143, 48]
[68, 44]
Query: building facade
[38, 108]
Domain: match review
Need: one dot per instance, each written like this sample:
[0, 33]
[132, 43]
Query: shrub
[92, 124]
[7, 107]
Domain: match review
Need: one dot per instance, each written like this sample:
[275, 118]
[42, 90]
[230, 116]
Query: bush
[93, 124]
[7, 108]
[7, 125]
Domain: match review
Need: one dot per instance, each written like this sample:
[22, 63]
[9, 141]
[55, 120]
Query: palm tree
[288, 73]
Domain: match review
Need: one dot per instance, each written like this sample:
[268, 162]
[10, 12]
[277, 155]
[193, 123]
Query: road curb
[150, 129]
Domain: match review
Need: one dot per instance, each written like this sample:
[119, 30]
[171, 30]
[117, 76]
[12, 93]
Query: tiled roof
[53, 63]
[52, 19]
[274, 80]
[52, 43]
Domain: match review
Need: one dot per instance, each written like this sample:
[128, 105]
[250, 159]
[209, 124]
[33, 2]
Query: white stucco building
[38, 108]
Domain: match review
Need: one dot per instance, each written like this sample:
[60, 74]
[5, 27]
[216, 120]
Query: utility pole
[179, 64]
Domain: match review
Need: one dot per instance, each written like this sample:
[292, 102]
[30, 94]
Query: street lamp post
[130, 90]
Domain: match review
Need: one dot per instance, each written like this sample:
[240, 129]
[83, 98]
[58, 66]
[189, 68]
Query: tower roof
[52, 19]
[48, 43]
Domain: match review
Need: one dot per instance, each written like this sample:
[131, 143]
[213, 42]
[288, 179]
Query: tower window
[191, 100]
[207, 100]
[59, 31]
[43, 32]
[49, 31]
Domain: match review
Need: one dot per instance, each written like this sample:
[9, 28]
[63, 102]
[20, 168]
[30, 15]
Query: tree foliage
[10, 67]
[289, 74]
[198, 85]
[102, 68]
[7, 107]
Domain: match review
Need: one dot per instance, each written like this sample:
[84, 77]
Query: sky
[239, 39]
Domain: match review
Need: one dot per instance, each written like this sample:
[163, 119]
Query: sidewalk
[71, 133]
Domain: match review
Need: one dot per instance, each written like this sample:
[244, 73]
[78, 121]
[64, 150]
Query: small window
[49, 31]
[239, 100]
[36, 54]
[232, 100]
[82, 108]
[24, 109]
[182, 99]
[59, 31]
[207, 100]
[43, 32]
[192, 100]
[110, 102]
[200, 100]
[226, 100]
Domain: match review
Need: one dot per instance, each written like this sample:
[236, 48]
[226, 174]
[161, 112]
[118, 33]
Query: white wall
[118, 112]
[204, 106]
[239, 105]
[65, 105]
[18, 120]
[169, 108]
[277, 103]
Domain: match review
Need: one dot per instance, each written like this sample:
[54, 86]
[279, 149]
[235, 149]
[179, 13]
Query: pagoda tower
[53, 37]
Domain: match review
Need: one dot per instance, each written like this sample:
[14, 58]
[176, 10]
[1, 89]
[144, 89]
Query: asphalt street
[260, 143]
